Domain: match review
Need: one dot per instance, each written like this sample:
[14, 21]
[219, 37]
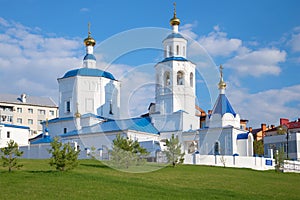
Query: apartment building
[26, 110]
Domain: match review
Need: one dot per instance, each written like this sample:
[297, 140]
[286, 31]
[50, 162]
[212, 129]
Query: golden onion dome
[222, 84]
[89, 41]
[174, 20]
[77, 115]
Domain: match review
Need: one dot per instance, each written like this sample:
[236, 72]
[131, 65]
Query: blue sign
[269, 162]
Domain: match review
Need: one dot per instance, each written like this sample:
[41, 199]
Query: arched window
[217, 148]
[170, 51]
[177, 49]
[180, 78]
[167, 80]
[191, 79]
[167, 51]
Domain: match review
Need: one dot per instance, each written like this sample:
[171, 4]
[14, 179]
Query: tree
[127, 152]
[258, 147]
[10, 155]
[173, 151]
[64, 156]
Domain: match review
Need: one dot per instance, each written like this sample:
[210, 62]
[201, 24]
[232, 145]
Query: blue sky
[258, 42]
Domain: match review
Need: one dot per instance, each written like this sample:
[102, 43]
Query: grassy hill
[93, 180]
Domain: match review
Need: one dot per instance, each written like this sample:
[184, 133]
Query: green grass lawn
[93, 180]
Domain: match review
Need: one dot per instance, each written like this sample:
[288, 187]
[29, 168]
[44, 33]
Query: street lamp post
[287, 143]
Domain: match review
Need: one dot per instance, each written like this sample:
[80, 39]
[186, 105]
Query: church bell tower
[175, 78]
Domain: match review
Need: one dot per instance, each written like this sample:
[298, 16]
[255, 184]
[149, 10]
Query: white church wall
[61, 126]
[209, 137]
[66, 87]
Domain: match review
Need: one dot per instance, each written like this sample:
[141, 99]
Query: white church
[89, 109]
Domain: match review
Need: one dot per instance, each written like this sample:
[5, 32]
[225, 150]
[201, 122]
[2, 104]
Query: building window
[67, 106]
[8, 134]
[6, 118]
[41, 112]
[19, 110]
[180, 80]
[30, 110]
[177, 49]
[191, 79]
[19, 120]
[65, 130]
[40, 121]
[30, 121]
[51, 112]
[167, 79]
[183, 50]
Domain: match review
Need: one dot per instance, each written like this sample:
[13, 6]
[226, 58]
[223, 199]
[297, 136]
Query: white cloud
[186, 29]
[266, 106]
[258, 63]
[295, 42]
[31, 62]
[218, 44]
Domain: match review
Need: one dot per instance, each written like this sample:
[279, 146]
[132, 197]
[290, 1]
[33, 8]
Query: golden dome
[222, 84]
[89, 41]
[174, 20]
[77, 115]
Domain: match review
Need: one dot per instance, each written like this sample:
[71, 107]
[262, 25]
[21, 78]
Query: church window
[167, 51]
[167, 79]
[183, 50]
[65, 130]
[217, 148]
[180, 78]
[170, 51]
[177, 49]
[191, 79]
[68, 106]
[8, 134]
[110, 108]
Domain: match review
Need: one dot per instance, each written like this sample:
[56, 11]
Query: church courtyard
[93, 180]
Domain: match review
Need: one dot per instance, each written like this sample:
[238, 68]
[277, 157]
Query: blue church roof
[174, 58]
[89, 57]
[137, 124]
[174, 35]
[223, 106]
[89, 72]
[44, 139]
[242, 136]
